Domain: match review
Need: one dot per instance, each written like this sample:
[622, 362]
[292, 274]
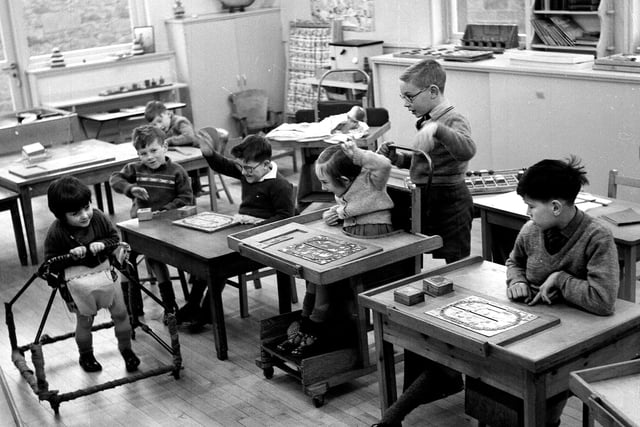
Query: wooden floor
[210, 392]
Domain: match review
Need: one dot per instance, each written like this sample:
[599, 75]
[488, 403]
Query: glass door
[11, 85]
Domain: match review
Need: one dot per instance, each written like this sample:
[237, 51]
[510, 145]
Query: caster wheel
[268, 373]
[318, 401]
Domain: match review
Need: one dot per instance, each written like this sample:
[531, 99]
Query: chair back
[218, 136]
[252, 106]
[615, 179]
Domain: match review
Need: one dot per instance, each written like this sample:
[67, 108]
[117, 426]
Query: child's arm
[217, 162]
[183, 191]
[187, 135]
[379, 166]
[124, 181]
[517, 283]
[454, 134]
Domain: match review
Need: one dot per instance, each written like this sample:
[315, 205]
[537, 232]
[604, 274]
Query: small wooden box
[437, 285]
[408, 295]
[145, 214]
[186, 211]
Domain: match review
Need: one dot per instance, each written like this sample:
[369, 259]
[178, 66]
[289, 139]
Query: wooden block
[145, 214]
[437, 285]
[186, 211]
[408, 295]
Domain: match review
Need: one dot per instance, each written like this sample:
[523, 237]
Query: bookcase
[598, 27]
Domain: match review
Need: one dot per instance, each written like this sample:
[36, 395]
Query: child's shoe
[131, 361]
[310, 345]
[291, 343]
[89, 363]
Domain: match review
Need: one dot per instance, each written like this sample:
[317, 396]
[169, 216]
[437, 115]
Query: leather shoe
[89, 363]
[131, 361]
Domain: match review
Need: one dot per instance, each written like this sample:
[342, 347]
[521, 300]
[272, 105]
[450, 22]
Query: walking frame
[38, 381]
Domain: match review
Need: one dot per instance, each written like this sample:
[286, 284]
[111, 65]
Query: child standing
[447, 208]
[266, 195]
[358, 180]
[561, 253]
[178, 130]
[154, 182]
[84, 233]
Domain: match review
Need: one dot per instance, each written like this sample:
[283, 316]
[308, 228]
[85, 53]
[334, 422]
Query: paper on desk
[299, 132]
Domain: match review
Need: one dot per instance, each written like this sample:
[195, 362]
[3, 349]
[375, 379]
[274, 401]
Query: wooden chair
[616, 179]
[250, 109]
[220, 138]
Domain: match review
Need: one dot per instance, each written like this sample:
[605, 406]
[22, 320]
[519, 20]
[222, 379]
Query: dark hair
[336, 164]
[67, 194]
[153, 109]
[145, 135]
[553, 179]
[253, 148]
[424, 74]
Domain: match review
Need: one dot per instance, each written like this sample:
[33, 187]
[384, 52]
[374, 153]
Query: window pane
[6, 101]
[489, 12]
[75, 24]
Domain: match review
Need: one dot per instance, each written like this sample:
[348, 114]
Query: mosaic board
[206, 221]
[323, 249]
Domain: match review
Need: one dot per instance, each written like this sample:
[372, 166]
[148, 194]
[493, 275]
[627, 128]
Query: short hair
[145, 135]
[67, 194]
[553, 179]
[334, 163]
[153, 109]
[253, 148]
[424, 74]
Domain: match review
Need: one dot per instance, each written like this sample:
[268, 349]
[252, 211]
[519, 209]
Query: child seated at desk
[178, 130]
[154, 182]
[267, 196]
[561, 253]
[358, 179]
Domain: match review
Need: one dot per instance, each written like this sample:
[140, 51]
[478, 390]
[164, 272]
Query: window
[465, 12]
[75, 24]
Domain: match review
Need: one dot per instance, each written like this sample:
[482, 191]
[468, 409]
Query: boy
[561, 253]
[84, 233]
[178, 131]
[266, 195]
[445, 135]
[154, 182]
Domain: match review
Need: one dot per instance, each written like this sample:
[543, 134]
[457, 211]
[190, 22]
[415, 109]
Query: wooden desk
[401, 255]
[9, 201]
[121, 114]
[533, 368]
[508, 211]
[93, 174]
[205, 255]
[309, 188]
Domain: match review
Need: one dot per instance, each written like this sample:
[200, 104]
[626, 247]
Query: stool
[9, 201]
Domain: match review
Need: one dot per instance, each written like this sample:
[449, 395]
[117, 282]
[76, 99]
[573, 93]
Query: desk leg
[29, 225]
[386, 365]
[486, 236]
[627, 289]
[535, 401]
[97, 189]
[109, 196]
[213, 190]
[357, 286]
[217, 316]
[17, 230]
[284, 292]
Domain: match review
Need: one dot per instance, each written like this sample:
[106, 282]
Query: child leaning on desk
[156, 182]
[178, 130]
[358, 179]
[561, 253]
[85, 233]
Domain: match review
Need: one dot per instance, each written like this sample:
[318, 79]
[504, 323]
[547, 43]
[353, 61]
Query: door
[11, 88]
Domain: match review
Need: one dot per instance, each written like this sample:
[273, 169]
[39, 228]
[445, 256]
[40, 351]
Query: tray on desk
[61, 164]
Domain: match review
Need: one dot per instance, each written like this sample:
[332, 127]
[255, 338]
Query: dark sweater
[181, 132]
[270, 199]
[168, 186]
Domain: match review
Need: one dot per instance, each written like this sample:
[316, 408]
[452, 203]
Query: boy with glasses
[445, 136]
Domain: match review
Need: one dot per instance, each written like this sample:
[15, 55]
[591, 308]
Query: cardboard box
[408, 295]
[437, 285]
[145, 214]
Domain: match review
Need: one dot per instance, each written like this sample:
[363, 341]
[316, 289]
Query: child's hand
[349, 147]
[246, 219]
[548, 290]
[518, 290]
[78, 252]
[96, 247]
[387, 151]
[425, 138]
[330, 217]
[140, 193]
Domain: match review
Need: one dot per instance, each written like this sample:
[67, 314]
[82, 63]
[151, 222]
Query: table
[532, 368]
[205, 255]
[93, 174]
[120, 114]
[507, 211]
[309, 188]
[9, 201]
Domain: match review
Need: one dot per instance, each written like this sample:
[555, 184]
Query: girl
[358, 179]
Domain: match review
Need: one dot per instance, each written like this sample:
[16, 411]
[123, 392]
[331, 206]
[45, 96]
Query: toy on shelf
[57, 59]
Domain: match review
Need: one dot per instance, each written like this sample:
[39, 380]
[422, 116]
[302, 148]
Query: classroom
[320, 213]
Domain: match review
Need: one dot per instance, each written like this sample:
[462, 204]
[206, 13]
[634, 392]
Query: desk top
[512, 204]
[369, 140]
[125, 113]
[538, 352]
[388, 249]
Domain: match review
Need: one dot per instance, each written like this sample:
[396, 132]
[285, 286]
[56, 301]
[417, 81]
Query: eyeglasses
[248, 169]
[411, 98]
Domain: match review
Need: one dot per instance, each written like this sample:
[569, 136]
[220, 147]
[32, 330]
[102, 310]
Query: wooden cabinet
[218, 54]
[607, 22]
